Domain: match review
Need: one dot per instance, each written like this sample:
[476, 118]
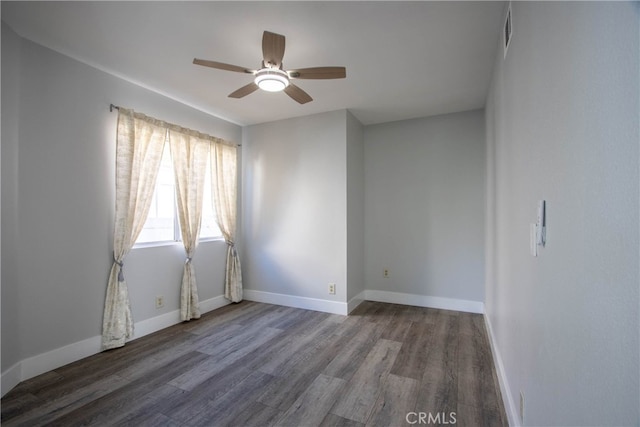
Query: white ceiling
[404, 59]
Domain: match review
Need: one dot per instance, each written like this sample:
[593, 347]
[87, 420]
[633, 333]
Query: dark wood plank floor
[253, 364]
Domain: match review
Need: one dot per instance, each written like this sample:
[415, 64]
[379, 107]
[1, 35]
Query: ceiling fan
[271, 76]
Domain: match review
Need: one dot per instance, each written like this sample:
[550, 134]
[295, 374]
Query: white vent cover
[507, 31]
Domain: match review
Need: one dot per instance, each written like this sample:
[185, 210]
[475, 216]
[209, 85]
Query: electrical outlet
[332, 288]
[159, 301]
[521, 407]
[385, 272]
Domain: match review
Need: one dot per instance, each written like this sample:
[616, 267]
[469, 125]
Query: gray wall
[562, 125]
[57, 256]
[295, 206]
[355, 207]
[11, 46]
[328, 200]
[424, 206]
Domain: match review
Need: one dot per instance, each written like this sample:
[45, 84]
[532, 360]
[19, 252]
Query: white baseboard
[356, 301]
[45, 362]
[368, 295]
[425, 301]
[505, 390]
[315, 304]
[213, 303]
[154, 324]
[11, 377]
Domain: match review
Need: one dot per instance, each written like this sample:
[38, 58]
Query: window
[162, 223]
[209, 225]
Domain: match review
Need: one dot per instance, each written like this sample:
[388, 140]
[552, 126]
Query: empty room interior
[320, 213]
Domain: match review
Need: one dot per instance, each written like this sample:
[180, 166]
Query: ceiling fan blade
[272, 48]
[319, 73]
[221, 66]
[297, 94]
[244, 90]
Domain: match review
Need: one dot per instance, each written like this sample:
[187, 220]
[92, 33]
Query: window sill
[212, 239]
[156, 244]
[174, 243]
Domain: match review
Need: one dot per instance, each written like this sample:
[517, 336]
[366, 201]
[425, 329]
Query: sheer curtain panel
[224, 175]
[190, 152]
[139, 144]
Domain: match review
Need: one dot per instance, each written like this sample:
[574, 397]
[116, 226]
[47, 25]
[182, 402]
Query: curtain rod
[117, 107]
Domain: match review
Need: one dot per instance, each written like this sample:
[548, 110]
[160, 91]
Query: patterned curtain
[190, 152]
[139, 145]
[224, 169]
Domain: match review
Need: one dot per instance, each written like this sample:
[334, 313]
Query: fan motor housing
[272, 79]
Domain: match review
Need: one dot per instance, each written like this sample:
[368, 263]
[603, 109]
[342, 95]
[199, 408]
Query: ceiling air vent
[507, 32]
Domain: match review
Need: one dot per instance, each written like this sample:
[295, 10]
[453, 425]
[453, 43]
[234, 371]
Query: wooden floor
[253, 364]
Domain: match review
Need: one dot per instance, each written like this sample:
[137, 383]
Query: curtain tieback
[120, 273]
[232, 247]
[188, 260]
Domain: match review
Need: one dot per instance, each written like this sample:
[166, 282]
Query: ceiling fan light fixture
[271, 77]
[272, 80]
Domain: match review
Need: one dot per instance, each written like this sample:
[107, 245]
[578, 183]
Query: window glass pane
[209, 227]
[159, 226]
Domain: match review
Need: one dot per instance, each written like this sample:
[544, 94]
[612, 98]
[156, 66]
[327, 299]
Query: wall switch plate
[541, 222]
[332, 288]
[159, 301]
